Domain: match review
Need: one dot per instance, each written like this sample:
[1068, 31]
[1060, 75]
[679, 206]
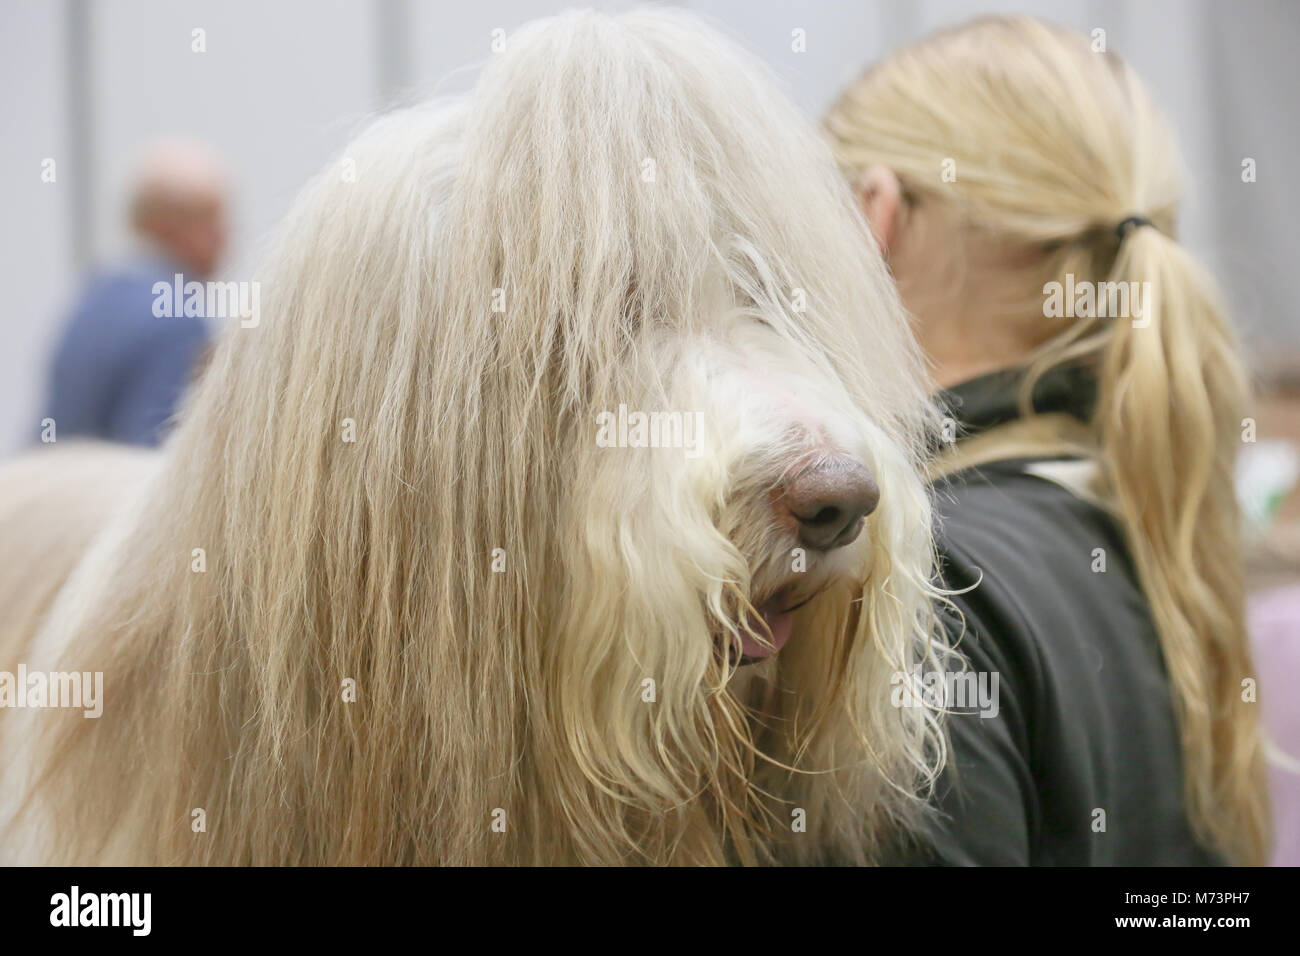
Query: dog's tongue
[779, 624]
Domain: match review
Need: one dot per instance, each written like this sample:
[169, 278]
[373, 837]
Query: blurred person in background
[119, 368]
[1089, 522]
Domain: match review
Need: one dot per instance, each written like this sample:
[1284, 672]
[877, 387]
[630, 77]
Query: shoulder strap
[1055, 435]
[1043, 437]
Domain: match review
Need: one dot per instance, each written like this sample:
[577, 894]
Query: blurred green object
[1267, 472]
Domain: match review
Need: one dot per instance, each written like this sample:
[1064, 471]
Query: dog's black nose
[829, 500]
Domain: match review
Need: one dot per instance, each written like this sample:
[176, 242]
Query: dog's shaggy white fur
[541, 631]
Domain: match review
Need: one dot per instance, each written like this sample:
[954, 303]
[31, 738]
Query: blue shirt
[119, 370]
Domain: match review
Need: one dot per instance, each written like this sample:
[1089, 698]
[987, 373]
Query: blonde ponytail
[1172, 395]
[1053, 146]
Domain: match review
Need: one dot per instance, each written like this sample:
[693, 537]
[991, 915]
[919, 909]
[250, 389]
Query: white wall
[283, 83]
[277, 91]
[36, 225]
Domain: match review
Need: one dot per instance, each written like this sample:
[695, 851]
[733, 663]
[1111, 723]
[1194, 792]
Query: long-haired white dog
[573, 403]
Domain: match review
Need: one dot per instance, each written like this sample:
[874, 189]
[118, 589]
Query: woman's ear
[879, 195]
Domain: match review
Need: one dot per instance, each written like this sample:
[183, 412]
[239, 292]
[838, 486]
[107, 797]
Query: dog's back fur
[52, 504]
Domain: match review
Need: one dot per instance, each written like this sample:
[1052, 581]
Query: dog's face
[795, 474]
[757, 474]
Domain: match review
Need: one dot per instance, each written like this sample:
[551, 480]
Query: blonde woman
[1014, 179]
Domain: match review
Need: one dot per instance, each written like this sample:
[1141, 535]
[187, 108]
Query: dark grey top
[1081, 764]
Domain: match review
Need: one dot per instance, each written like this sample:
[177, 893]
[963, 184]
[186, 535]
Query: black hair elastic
[1129, 224]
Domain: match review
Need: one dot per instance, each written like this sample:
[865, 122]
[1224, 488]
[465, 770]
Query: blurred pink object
[1275, 631]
